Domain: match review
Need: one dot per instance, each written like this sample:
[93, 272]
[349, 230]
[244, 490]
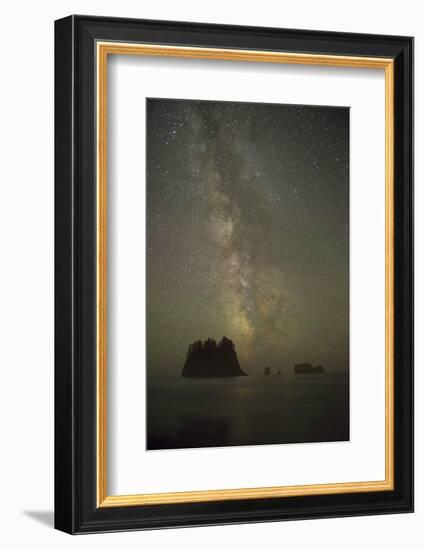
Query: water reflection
[187, 413]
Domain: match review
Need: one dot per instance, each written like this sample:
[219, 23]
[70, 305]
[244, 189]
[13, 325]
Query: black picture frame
[76, 509]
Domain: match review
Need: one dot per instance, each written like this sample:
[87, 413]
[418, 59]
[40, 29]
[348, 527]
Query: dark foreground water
[248, 410]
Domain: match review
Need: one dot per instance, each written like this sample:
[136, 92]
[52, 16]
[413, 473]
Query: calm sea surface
[248, 410]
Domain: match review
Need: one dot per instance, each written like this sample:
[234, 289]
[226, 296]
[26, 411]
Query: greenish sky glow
[247, 232]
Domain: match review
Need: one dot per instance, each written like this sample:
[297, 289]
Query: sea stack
[211, 360]
[307, 368]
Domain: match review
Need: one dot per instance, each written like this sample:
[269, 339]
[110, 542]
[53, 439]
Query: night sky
[247, 233]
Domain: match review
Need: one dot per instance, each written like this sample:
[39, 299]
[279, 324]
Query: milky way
[247, 232]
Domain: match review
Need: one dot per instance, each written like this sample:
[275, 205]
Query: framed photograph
[234, 274]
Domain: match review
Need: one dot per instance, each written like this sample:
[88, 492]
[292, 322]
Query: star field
[247, 232]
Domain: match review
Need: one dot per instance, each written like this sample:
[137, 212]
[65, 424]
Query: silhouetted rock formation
[267, 371]
[279, 372]
[307, 368]
[211, 360]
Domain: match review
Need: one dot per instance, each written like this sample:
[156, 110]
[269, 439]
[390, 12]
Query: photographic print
[233, 274]
[247, 283]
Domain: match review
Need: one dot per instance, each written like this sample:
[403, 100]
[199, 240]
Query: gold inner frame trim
[103, 50]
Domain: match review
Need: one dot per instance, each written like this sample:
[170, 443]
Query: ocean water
[247, 410]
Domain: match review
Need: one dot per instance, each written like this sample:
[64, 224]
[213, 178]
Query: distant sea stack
[307, 368]
[211, 360]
